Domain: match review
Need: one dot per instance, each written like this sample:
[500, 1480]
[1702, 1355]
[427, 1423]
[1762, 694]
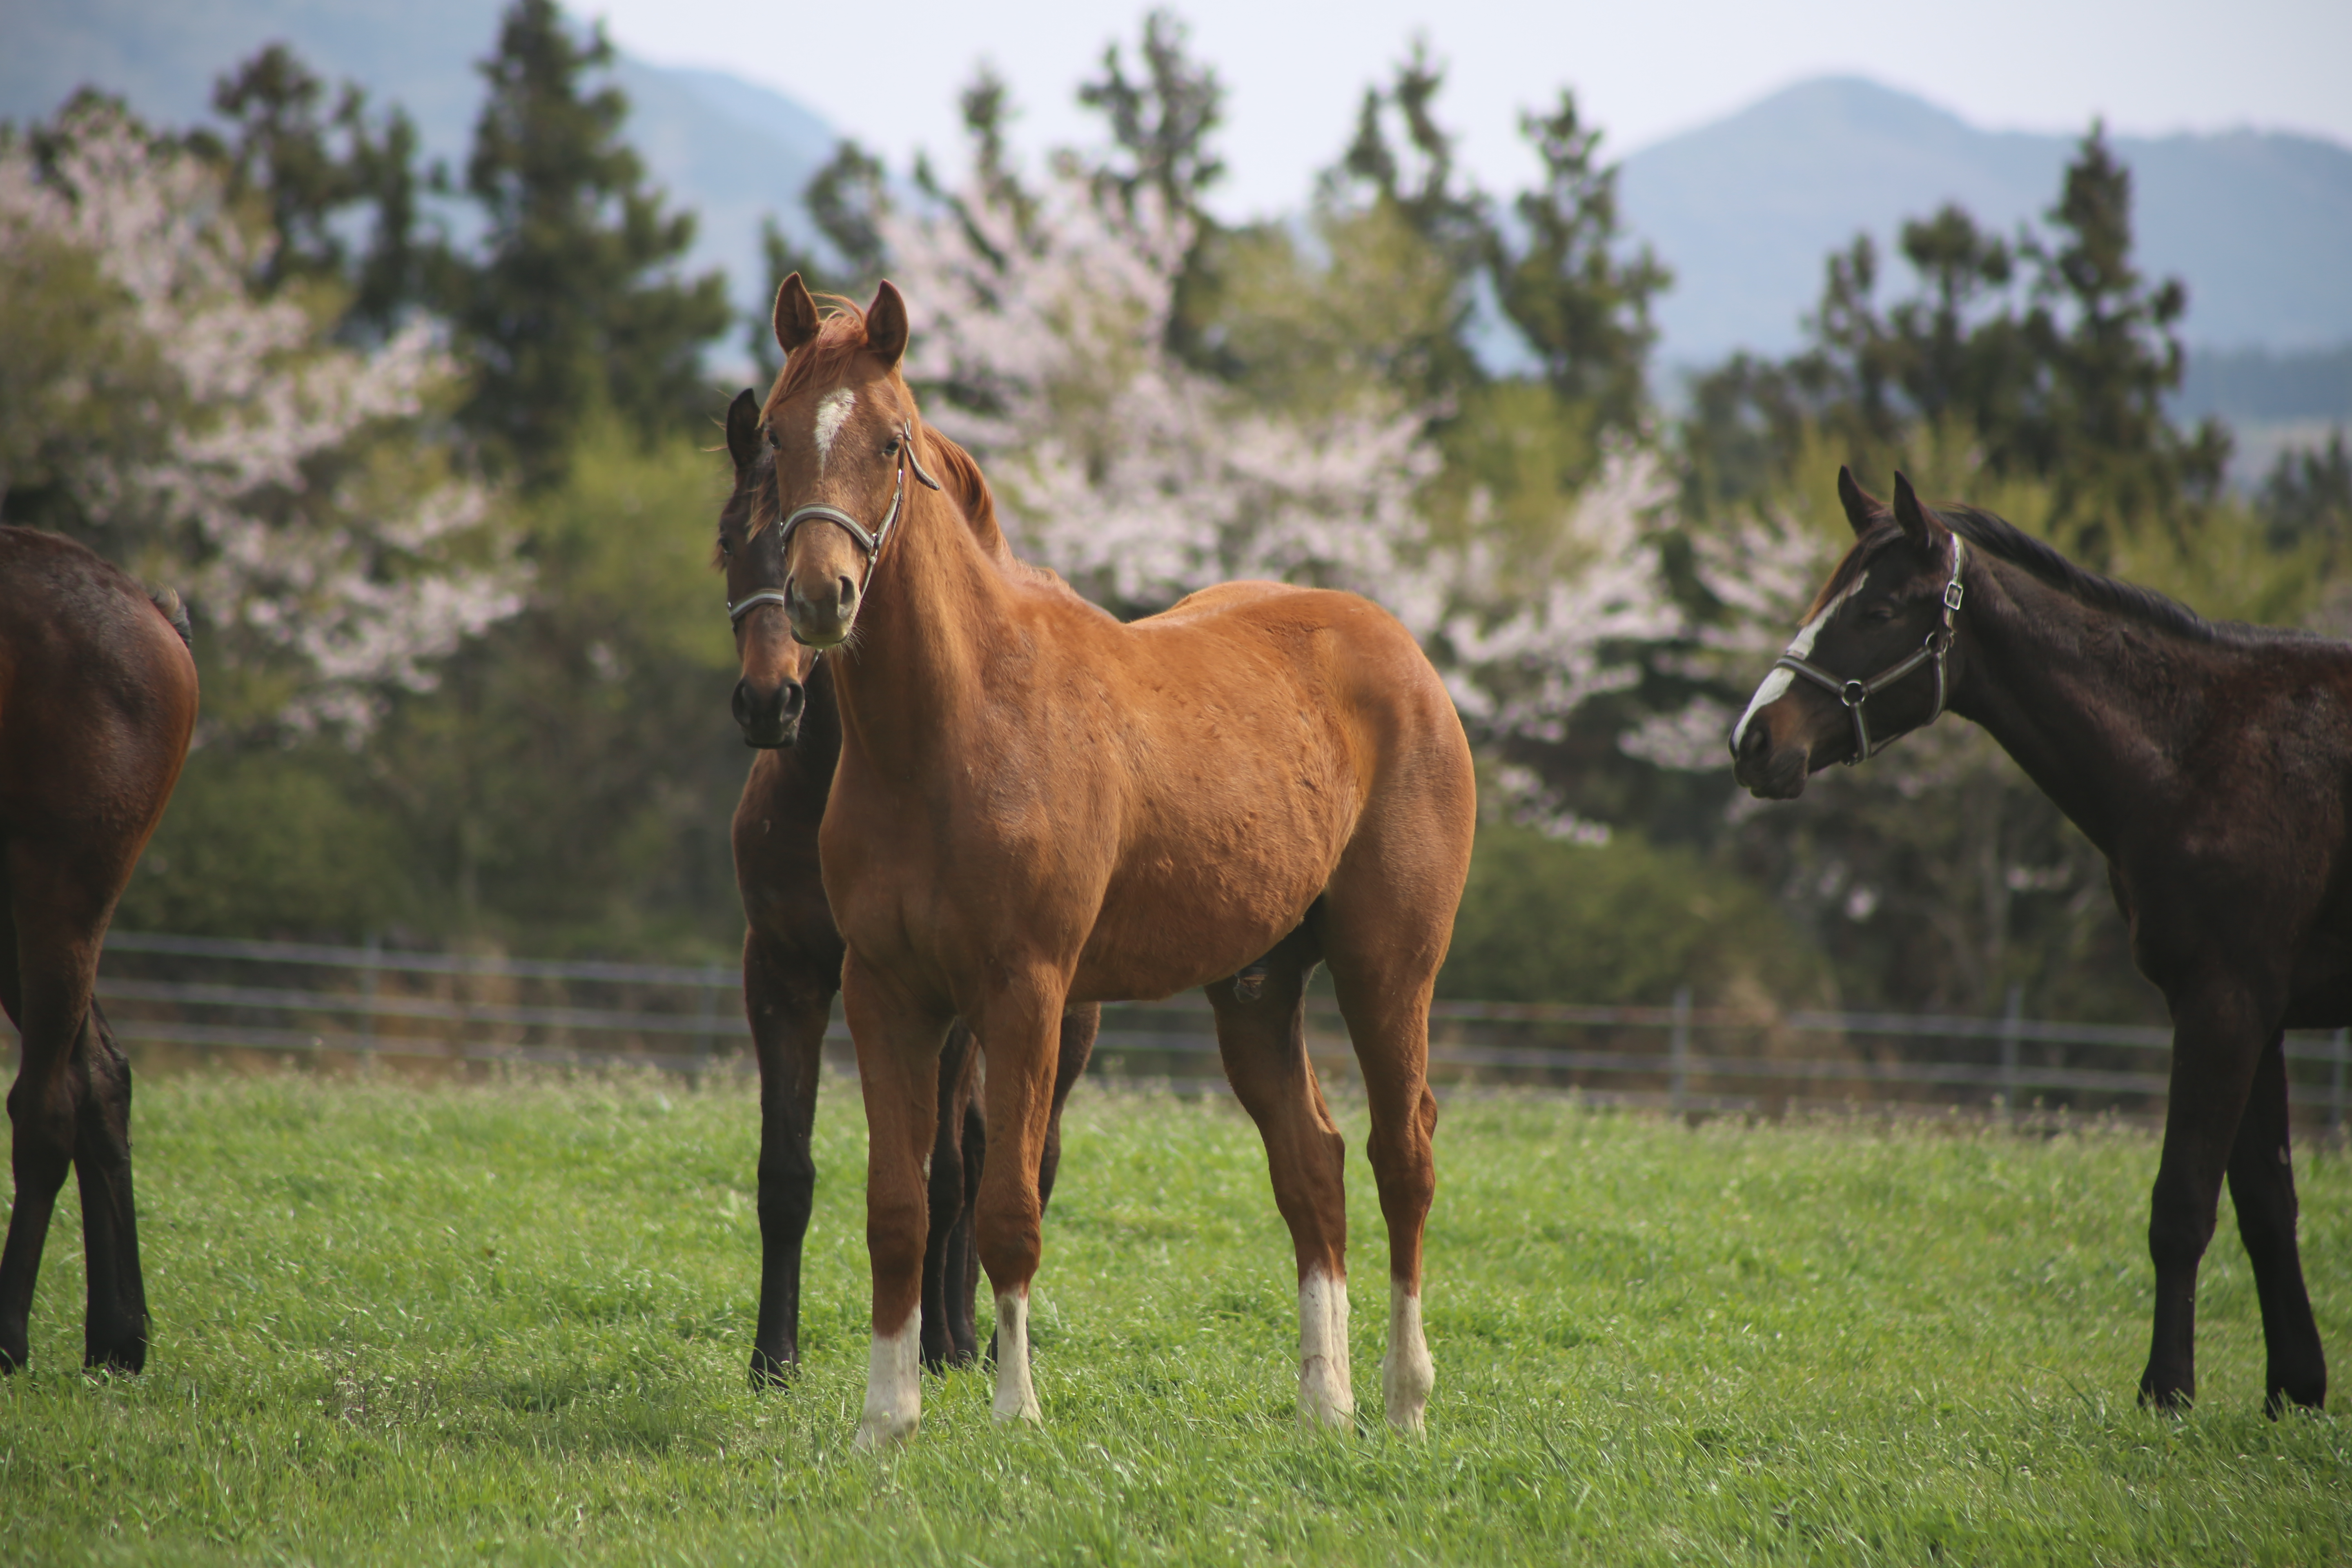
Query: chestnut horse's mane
[1997, 536]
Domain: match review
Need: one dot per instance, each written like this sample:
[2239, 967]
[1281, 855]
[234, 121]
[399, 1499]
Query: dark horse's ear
[796, 318]
[1861, 507]
[885, 325]
[1921, 526]
[743, 430]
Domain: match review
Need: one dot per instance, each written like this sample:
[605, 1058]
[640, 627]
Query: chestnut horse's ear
[1861, 507]
[796, 318]
[1919, 525]
[885, 325]
[743, 430]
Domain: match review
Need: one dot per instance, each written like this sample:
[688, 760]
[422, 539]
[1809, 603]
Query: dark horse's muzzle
[770, 717]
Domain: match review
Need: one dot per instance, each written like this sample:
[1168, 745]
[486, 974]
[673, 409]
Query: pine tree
[575, 306]
[1582, 305]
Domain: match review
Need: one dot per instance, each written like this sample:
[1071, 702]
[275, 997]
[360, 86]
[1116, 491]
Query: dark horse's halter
[815, 512]
[1855, 693]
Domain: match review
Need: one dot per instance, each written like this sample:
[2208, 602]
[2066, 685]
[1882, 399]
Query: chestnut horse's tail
[167, 600]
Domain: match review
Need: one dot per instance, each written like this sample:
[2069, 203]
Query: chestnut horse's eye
[890, 447]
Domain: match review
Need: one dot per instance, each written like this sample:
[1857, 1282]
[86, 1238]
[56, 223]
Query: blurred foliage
[1628, 921]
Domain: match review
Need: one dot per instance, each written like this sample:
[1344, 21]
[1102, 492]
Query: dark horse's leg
[949, 1337]
[2218, 1038]
[789, 999]
[71, 1099]
[2261, 1186]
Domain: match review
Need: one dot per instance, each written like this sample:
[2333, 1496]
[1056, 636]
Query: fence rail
[213, 996]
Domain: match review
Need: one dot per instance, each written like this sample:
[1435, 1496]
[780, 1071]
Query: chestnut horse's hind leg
[2261, 1186]
[788, 996]
[1262, 1041]
[949, 1337]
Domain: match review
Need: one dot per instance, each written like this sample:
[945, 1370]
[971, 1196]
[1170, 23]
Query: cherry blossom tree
[215, 439]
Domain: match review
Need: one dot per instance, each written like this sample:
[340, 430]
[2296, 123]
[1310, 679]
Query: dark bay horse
[1036, 805]
[2210, 763]
[792, 955]
[98, 700]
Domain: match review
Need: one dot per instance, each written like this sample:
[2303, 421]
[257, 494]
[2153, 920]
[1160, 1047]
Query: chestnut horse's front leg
[1021, 1036]
[898, 1041]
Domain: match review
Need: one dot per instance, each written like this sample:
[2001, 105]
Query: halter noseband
[871, 543]
[1855, 693]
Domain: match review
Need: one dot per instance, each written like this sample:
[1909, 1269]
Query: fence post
[706, 1013]
[2008, 1021]
[371, 947]
[1678, 1050]
[2335, 1087]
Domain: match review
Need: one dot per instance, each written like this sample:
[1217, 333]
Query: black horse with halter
[1855, 693]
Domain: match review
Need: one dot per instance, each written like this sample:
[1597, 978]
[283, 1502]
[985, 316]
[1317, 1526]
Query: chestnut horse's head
[769, 696]
[1869, 665]
[840, 429]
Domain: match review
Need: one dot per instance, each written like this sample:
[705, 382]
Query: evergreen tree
[307, 170]
[575, 305]
[1161, 124]
[1582, 305]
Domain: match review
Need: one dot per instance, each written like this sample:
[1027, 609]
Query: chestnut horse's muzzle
[770, 717]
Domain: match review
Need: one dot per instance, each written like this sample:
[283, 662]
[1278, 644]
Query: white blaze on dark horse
[2210, 763]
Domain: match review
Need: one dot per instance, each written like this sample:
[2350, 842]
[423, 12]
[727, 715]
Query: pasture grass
[397, 1323]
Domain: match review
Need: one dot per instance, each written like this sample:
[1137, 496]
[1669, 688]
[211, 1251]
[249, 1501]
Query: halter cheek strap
[1855, 693]
[871, 543]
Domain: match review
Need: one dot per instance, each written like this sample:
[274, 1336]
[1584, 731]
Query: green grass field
[406, 1324]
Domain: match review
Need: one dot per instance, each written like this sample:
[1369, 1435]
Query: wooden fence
[172, 996]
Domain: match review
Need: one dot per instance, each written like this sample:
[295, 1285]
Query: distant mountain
[2258, 225]
[730, 151]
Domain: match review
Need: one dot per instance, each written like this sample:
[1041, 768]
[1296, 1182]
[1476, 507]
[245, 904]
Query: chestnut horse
[98, 700]
[1037, 804]
[2210, 763]
[792, 953]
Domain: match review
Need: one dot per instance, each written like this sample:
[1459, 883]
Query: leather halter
[1855, 693]
[871, 543]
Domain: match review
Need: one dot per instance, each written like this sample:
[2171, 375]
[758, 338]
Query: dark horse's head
[1872, 660]
[769, 696]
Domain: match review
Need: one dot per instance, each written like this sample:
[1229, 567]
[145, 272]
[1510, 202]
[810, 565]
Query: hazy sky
[887, 73]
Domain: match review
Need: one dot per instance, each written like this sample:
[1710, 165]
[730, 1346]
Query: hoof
[876, 1433]
[773, 1371]
[1025, 1412]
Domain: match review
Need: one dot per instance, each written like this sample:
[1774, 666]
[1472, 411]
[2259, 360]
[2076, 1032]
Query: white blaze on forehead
[1776, 684]
[832, 414]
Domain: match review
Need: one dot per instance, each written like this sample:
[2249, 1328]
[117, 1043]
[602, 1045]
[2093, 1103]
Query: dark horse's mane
[1997, 536]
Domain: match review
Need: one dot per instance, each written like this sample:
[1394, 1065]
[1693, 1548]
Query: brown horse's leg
[2262, 1187]
[1019, 1031]
[114, 1333]
[949, 1335]
[788, 996]
[898, 1044]
[52, 963]
[1384, 948]
[1262, 1041]
[2216, 1042]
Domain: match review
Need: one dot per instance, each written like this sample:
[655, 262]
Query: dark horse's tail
[167, 600]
